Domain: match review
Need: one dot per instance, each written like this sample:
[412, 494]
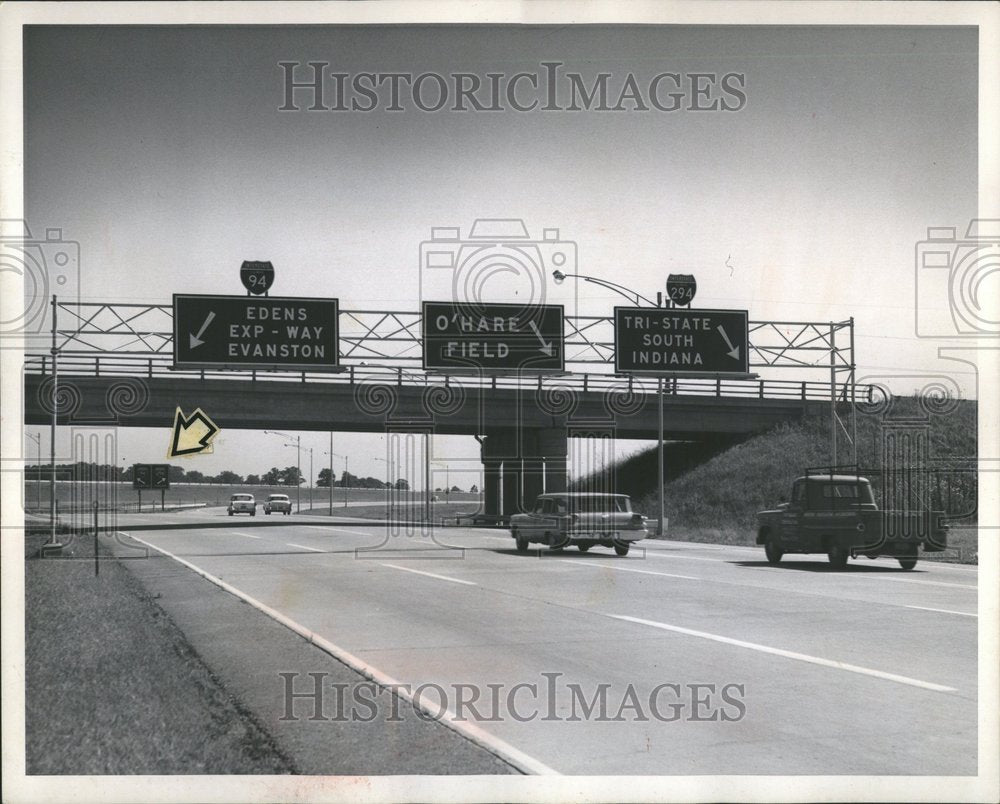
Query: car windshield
[599, 504]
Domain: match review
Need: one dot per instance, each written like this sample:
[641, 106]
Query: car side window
[540, 506]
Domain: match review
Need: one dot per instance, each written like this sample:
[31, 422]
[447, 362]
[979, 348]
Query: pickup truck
[836, 514]
[579, 518]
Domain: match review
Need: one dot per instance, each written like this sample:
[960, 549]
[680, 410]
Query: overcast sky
[163, 152]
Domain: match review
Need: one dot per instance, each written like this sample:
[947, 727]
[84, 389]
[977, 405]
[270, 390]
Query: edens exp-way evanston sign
[276, 332]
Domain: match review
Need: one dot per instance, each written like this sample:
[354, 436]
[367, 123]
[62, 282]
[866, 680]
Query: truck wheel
[520, 542]
[583, 548]
[266, 512]
[621, 549]
[772, 551]
[838, 557]
[907, 563]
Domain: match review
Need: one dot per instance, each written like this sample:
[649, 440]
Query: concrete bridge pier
[517, 469]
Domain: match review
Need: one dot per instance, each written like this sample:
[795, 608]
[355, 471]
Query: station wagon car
[278, 504]
[579, 518]
[242, 504]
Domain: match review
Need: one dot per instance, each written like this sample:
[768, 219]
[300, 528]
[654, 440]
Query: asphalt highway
[680, 658]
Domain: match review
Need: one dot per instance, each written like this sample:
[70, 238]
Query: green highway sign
[654, 340]
[244, 332]
[147, 476]
[492, 337]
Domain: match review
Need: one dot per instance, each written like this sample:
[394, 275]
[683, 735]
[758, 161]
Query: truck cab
[837, 514]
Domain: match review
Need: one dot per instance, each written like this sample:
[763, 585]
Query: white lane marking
[627, 569]
[501, 748]
[330, 527]
[943, 611]
[248, 535]
[303, 547]
[430, 574]
[925, 583]
[788, 654]
[655, 554]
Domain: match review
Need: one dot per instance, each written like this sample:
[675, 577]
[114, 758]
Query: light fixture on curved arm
[621, 290]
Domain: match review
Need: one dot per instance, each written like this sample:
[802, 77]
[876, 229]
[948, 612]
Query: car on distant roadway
[835, 513]
[278, 503]
[583, 519]
[242, 504]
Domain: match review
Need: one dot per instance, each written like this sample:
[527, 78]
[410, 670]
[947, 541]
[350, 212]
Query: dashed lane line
[943, 611]
[303, 547]
[788, 654]
[430, 574]
[627, 569]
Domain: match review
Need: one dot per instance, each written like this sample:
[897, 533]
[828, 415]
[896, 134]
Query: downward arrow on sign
[734, 351]
[196, 339]
[546, 347]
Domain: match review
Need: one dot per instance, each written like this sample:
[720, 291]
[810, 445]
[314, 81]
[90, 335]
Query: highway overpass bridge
[115, 369]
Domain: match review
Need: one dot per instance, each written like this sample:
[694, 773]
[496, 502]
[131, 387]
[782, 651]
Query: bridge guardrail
[122, 365]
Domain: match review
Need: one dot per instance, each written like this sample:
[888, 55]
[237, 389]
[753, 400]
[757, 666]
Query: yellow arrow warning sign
[192, 435]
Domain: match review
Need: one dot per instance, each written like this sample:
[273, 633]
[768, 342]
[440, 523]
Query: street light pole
[330, 479]
[55, 415]
[37, 438]
[298, 465]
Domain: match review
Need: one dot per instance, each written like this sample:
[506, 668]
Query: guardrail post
[586, 377]
[399, 377]
[351, 378]
[253, 376]
[149, 369]
[97, 366]
[494, 383]
[44, 361]
[303, 376]
[718, 386]
[803, 390]
[761, 391]
[97, 566]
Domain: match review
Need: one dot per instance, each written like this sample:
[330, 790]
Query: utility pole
[331, 473]
[55, 415]
[37, 438]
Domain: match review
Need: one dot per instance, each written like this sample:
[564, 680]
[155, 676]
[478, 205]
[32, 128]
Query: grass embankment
[714, 491]
[112, 686]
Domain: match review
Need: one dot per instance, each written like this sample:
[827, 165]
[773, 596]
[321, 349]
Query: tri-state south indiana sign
[675, 341]
[255, 332]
